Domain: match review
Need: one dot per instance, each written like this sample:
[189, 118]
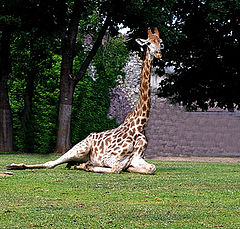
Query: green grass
[179, 195]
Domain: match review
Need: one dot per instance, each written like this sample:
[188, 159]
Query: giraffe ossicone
[122, 148]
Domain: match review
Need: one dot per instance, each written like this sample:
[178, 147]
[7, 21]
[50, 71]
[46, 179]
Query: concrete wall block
[171, 131]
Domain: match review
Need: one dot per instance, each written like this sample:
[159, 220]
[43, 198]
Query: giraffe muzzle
[158, 54]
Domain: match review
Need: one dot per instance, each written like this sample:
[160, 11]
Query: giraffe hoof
[80, 167]
[88, 166]
[117, 169]
[15, 166]
[152, 169]
[84, 166]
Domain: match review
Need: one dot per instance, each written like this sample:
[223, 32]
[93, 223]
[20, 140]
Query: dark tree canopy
[207, 57]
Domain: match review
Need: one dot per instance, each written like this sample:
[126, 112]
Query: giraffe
[122, 148]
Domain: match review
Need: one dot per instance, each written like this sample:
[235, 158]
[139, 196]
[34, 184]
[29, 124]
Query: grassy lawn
[179, 195]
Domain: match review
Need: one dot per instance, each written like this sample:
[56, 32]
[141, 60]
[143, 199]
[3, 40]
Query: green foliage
[43, 120]
[91, 98]
[179, 195]
[45, 108]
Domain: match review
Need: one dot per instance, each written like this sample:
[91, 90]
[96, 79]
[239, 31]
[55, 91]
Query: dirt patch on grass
[200, 159]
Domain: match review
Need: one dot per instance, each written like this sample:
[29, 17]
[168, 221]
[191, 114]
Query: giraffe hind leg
[79, 154]
[21, 166]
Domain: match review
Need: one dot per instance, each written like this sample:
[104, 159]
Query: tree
[68, 81]
[207, 70]
[40, 25]
[33, 70]
[29, 21]
[7, 24]
[6, 140]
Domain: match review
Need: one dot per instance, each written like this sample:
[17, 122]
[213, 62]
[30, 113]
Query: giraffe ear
[149, 32]
[156, 31]
[142, 42]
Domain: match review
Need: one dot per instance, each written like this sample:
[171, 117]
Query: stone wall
[171, 131]
[131, 83]
[125, 96]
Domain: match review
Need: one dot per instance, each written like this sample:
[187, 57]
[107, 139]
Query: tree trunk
[68, 82]
[67, 86]
[27, 117]
[27, 122]
[6, 128]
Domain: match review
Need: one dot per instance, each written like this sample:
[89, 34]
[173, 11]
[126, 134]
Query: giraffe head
[154, 43]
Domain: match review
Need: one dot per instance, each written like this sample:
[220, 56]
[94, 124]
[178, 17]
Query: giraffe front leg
[101, 170]
[138, 164]
[89, 167]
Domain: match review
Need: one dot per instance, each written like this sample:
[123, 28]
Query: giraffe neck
[141, 113]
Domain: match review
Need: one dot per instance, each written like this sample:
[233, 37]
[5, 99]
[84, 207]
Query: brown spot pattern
[117, 143]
